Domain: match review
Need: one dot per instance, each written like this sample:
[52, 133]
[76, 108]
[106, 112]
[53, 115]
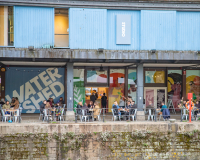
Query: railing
[88, 115]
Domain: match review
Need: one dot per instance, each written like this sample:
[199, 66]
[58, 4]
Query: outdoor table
[11, 112]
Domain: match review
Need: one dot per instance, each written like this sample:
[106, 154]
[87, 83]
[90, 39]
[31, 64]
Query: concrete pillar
[70, 94]
[140, 88]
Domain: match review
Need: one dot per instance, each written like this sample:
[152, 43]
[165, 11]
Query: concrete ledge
[6, 128]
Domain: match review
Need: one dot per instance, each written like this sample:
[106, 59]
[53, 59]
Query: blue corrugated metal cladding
[88, 28]
[33, 26]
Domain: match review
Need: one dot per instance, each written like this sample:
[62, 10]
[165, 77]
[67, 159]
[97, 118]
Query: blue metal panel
[158, 30]
[87, 28]
[111, 30]
[33, 26]
[188, 30]
[33, 85]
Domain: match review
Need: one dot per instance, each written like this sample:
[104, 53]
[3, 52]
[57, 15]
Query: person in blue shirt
[116, 108]
[163, 106]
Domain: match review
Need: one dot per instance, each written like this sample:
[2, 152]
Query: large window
[61, 28]
[6, 26]
[95, 76]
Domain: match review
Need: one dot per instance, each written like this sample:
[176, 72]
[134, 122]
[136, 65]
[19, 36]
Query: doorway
[98, 91]
[156, 95]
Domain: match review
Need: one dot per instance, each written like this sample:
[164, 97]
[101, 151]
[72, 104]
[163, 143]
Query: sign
[34, 85]
[123, 29]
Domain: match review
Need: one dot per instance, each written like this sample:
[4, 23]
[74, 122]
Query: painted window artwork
[79, 89]
[132, 86]
[193, 83]
[174, 86]
[116, 89]
[94, 76]
[154, 76]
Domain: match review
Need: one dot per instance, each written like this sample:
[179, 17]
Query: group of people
[121, 109]
[195, 106]
[88, 109]
[51, 107]
[14, 104]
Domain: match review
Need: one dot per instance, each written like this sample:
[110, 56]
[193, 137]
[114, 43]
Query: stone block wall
[133, 141]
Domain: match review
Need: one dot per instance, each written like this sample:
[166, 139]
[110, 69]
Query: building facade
[71, 49]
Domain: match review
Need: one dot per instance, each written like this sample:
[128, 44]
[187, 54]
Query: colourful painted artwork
[193, 83]
[154, 76]
[174, 86]
[79, 89]
[116, 89]
[132, 86]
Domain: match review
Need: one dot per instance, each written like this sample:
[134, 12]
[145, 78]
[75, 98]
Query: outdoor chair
[84, 116]
[61, 115]
[41, 114]
[5, 116]
[64, 105]
[185, 114]
[99, 116]
[46, 116]
[134, 115]
[115, 116]
[150, 116]
[17, 115]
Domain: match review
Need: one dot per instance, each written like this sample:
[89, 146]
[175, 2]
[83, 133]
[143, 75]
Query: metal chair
[134, 115]
[46, 116]
[17, 115]
[64, 105]
[185, 114]
[115, 116]
[5, 116]
[61, 115]
[84, 116]
[150, 116]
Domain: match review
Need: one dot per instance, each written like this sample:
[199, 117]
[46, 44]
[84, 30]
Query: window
[95, 76]
[154, 76]
[61, 28]
[6, 26]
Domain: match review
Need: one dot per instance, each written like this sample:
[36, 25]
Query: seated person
[128, 105]
[12, 102]
[42, 106]
[96, 110]
[150, 106]
[6, 106]
[91, 105]
[86, 109]
[48, 107]
[2, 102]
[61, 100]
[165, 111]
[58, 110]
[133, 105]
[115, 108]
[16, 103]
[78, 108]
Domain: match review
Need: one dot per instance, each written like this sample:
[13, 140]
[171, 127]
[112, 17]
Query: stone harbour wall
[109, 141]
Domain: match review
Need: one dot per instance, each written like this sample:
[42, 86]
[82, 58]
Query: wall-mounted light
[30, 48]
[153, 51]
[100, 49]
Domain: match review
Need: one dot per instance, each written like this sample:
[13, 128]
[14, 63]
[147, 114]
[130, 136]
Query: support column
[140, 88]
[70, 116]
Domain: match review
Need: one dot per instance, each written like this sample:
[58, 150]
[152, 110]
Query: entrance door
[156, 95]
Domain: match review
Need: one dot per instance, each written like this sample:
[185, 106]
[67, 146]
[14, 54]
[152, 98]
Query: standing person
[103, 102]
[96, 110]
[16, 103]
[93, 97]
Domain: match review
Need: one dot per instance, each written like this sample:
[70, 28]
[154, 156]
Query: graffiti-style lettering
[35, 81]
[45, 78]
[61, 86]
[53, 75]
[47, 94]
[29, 108]
[40, 99]
[28, 90]
[21, 95]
